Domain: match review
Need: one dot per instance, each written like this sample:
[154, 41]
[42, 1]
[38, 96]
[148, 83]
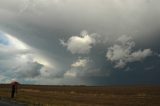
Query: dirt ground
[38, 95]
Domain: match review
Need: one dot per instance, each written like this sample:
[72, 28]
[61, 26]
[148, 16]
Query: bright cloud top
[14, 42]
[21, 60]
[79, 44]
[80, 63]
[78, 68]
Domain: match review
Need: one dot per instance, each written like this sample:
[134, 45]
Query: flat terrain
[84, 96]
[6, 103]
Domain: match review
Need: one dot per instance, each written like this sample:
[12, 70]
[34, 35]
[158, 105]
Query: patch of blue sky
[3, 39]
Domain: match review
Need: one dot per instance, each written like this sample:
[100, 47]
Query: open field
[36, 95]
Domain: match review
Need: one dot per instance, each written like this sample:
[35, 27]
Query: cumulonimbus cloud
[123, 53]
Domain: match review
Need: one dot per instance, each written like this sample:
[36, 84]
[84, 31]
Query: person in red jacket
[14, 87]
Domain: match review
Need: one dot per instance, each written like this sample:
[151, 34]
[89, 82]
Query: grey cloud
[28, 70]
[124, 52]
[101, 16]
[4, 79]
[79, 67]
[8, 53]
[41, 23]
[83, 68]
[80, 63]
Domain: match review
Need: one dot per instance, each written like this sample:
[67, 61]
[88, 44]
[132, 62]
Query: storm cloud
[79, 41]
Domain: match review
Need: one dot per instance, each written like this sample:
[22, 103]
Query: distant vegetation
[37, 95]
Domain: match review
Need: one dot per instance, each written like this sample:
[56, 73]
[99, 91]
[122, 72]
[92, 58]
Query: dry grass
[84, 96]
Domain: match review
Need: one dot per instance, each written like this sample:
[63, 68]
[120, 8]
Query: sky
[80, 42]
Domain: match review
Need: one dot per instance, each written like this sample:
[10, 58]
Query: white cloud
[79, 44]
[140, 55]
[83, 67]
[70, 74]
[16, 43]
[123, 53]
[79, 67]
[22, 60]
[125, 39]
[80, 63]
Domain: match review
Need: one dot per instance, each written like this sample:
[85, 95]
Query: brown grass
[84, 96]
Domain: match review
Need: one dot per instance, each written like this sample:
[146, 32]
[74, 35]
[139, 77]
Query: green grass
[84, 96]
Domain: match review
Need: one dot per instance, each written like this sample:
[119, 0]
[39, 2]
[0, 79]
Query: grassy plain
[38, 95]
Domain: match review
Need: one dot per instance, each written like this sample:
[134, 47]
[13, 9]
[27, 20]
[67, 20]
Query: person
[14, 86]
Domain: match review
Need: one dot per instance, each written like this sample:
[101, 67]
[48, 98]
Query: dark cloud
[40, 24]
[28, 70]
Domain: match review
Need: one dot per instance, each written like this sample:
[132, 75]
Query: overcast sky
[82, 42]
